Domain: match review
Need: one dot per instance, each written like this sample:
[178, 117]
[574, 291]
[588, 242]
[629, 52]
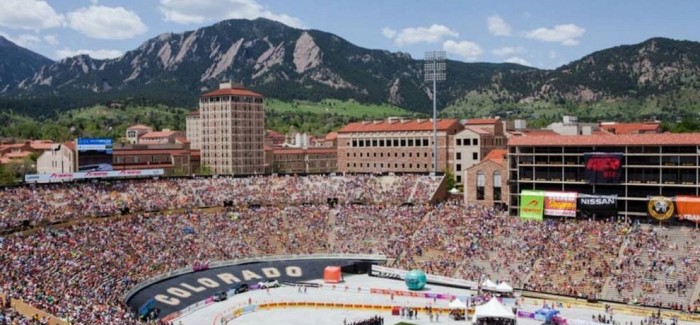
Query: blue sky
[540, 33]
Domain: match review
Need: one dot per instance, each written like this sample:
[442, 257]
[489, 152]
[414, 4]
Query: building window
[459, 142]
[476, 142]
[467, 142]
[459, 156]
[459, 179]
[425, 142]
[458, 167]
[496, 186]
[475, 155]
[480, 182]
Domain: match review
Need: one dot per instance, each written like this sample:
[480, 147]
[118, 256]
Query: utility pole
[435, 71]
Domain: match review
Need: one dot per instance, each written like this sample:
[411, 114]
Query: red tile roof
[477, 130]
[497, 155]
[481, 121]
[631, 128]
[21, 154]
[649, 139]
[70, 145]
[158, 134]
[274, 134]
[139, 127]
[231, 92]
[331, 136]
[41, 145]
[410, 125]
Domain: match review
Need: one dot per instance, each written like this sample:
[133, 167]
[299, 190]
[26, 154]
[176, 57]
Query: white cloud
[518, 60]
[565, 34]
[95, 54]
[200, 11]
[102, 22]
[27, 40]
[28, 14]
[388, 32]
[498, 26]
[411, 35]
[508, 50]
[465, 49]
[51, 39]
[553, 54]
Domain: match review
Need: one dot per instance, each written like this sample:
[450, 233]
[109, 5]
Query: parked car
[220, 296]
[269, 284]
[239, 288]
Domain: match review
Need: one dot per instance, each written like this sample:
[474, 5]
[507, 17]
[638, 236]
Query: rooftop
[232, 92]
[193, 113]
[497, 155]
[158, 134]
[648, 139]
[138, 127]
[396, 125]
[481, 121]
[631, 128]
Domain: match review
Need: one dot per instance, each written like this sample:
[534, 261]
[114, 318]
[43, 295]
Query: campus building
[486, 182]
[60, 158]
[232, 130]
[632, 167]
[193, 130]
[396, 145]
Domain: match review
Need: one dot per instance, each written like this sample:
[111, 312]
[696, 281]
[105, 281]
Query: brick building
[304, 160]
[193, 129]
[486, 183]
[233, 130]
[395, 145]
[134, 132]
[173, 158]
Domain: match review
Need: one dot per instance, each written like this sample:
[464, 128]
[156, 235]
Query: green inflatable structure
[416, 280]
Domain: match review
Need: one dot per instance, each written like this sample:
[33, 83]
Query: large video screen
[94, 154]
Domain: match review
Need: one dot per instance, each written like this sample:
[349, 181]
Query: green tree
[449, 180]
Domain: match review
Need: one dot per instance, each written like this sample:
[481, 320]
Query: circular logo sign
[660, 208]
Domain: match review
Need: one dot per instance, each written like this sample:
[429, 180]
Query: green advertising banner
[531, 205]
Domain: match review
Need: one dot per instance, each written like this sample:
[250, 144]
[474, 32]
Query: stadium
[328, 249]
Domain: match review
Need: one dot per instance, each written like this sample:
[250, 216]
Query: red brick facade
[395, 146]
[484, 195]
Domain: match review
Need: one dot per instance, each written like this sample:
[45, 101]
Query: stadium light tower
[435, 71]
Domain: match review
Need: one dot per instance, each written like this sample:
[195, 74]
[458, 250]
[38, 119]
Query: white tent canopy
[492, 309]
[457, 304]
[488, 285]
[504, 287]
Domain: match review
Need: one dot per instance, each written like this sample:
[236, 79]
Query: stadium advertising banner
[660, 208]
[560, 204]
[688, 208]
[67, 177]
[597, 204]
[603, 168]
[531, 205]
[94, 154]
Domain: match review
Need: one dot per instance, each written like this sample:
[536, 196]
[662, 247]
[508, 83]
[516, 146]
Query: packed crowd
[658, 267]
[45, 204]
[81, 271]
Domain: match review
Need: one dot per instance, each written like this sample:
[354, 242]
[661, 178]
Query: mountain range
[655, 78]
